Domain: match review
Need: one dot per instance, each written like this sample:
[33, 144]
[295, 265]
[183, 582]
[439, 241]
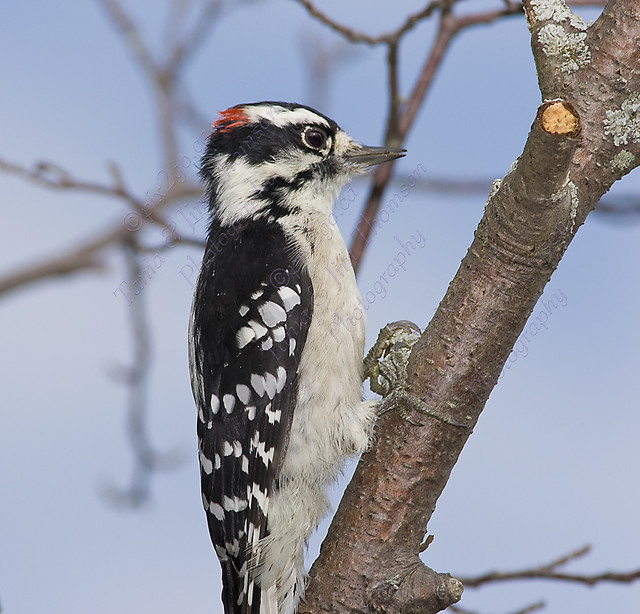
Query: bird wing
[251, 314]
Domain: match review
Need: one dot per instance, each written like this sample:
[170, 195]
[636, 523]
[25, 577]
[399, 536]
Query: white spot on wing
[233, 547]
[267, 344]
[265, 456]
[215, 403]
[205, 463]
[243, 311]
[257, 383]
[281, 378]
[216, 510]
[259, 330]
[227, 448]
[278, 334]
[289, 298]
[234, 504]
[229, 401]
[292, 346]
[273, 415]
[272, 313]
[251, 412]
[270, 385]
[261, 498]
[244, 336]
[222, 553]
[243, 392]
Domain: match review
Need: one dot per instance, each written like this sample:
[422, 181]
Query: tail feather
[242, 595]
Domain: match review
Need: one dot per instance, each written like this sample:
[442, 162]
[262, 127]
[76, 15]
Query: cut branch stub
[559, 117]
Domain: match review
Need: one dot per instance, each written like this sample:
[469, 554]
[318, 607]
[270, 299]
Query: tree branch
[398, 129]
[360, 37]
[549, 572]
[136, 378]
[374, 540]
[526, 610]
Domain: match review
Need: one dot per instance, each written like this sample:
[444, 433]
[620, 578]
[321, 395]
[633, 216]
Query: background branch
[549, 571]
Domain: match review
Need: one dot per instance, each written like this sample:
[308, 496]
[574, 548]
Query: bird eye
[314, 138]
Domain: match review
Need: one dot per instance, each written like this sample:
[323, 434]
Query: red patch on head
[230, 119]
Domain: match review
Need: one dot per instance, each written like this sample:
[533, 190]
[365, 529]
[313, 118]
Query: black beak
[363, 155]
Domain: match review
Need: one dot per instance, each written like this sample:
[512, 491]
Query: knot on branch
[419, 591]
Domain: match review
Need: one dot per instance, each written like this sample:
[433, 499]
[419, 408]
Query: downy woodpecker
[278, 392]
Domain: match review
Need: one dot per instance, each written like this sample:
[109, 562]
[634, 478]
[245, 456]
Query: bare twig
[621, 208]
[71, 262]
[399, 130]
[191, 41]
[132, 34]
[164, 76]
[53, 176]
[87, 256]
[50, 175]
[550, 571]
[360, 37]
[136, 378]
[526, 610]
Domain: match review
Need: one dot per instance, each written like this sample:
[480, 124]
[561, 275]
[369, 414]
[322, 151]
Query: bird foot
[386, 368]
[386, 363]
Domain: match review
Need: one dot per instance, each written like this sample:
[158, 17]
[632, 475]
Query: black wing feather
[251, 314]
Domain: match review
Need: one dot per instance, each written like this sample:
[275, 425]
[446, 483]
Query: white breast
[328, 423]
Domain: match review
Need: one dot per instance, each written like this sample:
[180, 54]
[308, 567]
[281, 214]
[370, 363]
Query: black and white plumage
[278, 395]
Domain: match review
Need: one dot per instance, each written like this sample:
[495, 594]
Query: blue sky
[552, 463]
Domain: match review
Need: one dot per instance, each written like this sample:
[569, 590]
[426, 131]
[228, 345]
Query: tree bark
[584, 137]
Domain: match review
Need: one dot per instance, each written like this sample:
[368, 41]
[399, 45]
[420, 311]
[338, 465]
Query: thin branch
[71, 262]
[360, 37]
[550, 571]
[161, 77]
[50, 175]
[619, 210]
[136, 378]
[411, 21]
[393, 135]
[526, 610]
[191, 41]
[85, 257]
[132, 35]
[53, 176]
[382, 174]
[448, 28]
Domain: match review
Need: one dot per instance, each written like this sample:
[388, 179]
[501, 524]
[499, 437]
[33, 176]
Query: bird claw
[386, 363]
[412, 407]
[386, 367]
